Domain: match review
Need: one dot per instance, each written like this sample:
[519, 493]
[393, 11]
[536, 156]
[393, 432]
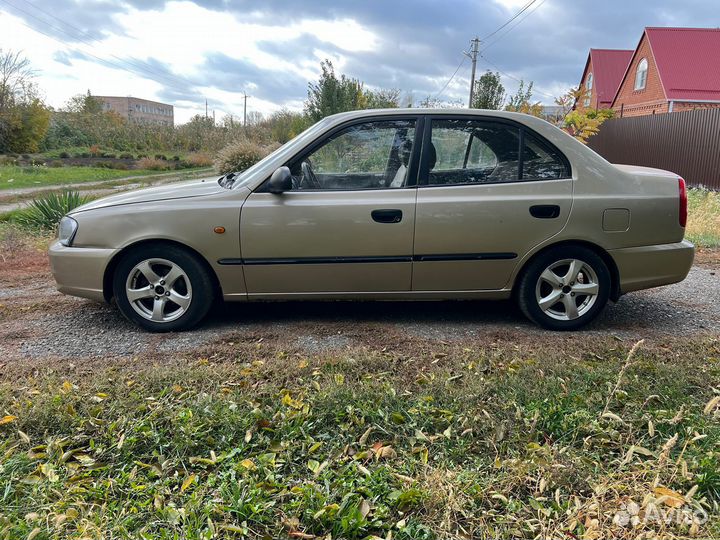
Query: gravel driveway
[36, 322]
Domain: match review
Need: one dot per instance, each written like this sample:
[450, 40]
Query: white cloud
[179, 37]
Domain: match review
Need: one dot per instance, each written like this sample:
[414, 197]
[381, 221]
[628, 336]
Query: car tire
[163, 288]
[564, 288]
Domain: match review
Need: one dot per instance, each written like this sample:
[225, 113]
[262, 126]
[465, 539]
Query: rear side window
[473, 152]
[470, 151]
[541, 161]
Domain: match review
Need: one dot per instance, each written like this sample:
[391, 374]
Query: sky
[186, 52]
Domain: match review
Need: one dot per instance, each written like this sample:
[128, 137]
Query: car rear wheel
[162, 288]
[564, 288]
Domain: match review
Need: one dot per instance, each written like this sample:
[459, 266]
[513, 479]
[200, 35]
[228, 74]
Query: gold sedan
[390, 204]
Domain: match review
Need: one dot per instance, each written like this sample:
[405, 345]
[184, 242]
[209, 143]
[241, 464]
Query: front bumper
[80, 271]
[651, 266]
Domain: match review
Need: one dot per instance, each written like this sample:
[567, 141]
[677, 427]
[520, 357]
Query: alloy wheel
[567, 289]
[159, 290]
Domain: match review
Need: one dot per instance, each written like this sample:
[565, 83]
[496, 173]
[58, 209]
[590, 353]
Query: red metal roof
[688, 61]
[609, 66]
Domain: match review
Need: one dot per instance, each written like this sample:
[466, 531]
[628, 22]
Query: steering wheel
[308, 176]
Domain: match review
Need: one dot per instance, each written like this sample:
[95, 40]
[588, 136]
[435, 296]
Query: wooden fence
[686, 143]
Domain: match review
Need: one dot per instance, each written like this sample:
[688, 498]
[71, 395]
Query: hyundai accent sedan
[395, 204]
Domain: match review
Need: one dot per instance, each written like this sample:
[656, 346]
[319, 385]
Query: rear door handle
[387, 215]
[545, 211]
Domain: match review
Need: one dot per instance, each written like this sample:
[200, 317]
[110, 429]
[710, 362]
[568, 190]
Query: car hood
[177, 190]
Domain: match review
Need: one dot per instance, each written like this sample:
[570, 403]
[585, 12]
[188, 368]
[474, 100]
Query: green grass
[14, 177]
[252, 442]
[703, 226]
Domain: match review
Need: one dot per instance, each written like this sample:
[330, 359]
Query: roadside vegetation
[703, 227]
[14, 177]
[414, 441]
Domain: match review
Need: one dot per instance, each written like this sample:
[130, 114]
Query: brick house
[604, 70]
[671, 69]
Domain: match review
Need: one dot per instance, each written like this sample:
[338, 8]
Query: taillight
[683, 202]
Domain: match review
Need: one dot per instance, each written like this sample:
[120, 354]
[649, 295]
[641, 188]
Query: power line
[451, 77]
[493, 42]
[511, 19]
[513, 77]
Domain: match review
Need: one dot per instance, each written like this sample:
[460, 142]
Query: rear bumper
[651, 266]
[80, 271]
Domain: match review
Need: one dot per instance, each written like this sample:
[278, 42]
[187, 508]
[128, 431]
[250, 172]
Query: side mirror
[280, 181]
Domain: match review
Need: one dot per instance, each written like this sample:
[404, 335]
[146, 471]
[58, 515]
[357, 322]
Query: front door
[490, 190]
[347, 225]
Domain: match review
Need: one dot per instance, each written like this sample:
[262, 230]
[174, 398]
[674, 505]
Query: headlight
[66, 230]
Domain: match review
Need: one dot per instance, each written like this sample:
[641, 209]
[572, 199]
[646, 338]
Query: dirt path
[11, 199]
[39, 324]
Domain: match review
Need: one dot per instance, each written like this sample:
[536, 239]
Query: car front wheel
[162, 288]
[564, 288]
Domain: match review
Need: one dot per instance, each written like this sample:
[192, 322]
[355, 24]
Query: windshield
[237, 179]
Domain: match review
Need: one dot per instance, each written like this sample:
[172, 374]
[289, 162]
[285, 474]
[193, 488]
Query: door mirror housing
[280, 181]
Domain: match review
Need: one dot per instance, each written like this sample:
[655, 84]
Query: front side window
[641, 74]
[487, 152]
[373, 155]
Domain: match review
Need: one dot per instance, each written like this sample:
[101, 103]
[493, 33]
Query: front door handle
[387, 215]
[545, 211]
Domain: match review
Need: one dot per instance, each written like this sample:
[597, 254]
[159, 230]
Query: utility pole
[474, 50]
[245, 96]
[205, 107]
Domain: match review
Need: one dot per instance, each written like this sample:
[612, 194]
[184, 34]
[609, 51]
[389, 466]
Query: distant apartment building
[139, 110]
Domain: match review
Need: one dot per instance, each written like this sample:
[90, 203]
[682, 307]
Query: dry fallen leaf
[186, 484]
[669, 497]
[7, 419]
[712, 405]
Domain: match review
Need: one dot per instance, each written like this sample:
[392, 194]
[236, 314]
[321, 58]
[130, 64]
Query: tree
[331, 95]
[489, 93]
[521, 101]
[384, 98]
[84, 104]
[567, 101]
[582, 125]
[24, 118]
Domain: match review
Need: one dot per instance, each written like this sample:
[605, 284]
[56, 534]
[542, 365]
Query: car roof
[364, 113]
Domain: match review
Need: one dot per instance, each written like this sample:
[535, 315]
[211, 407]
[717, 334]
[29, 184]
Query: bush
[153, 164]
[64, 155]
[199, 159]
[44, 213]
[176, 158]
[125, 155]
[112, 165]
[161, 156]
[240, 155]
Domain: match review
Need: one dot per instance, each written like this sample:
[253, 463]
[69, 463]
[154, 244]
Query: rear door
[489, 191]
